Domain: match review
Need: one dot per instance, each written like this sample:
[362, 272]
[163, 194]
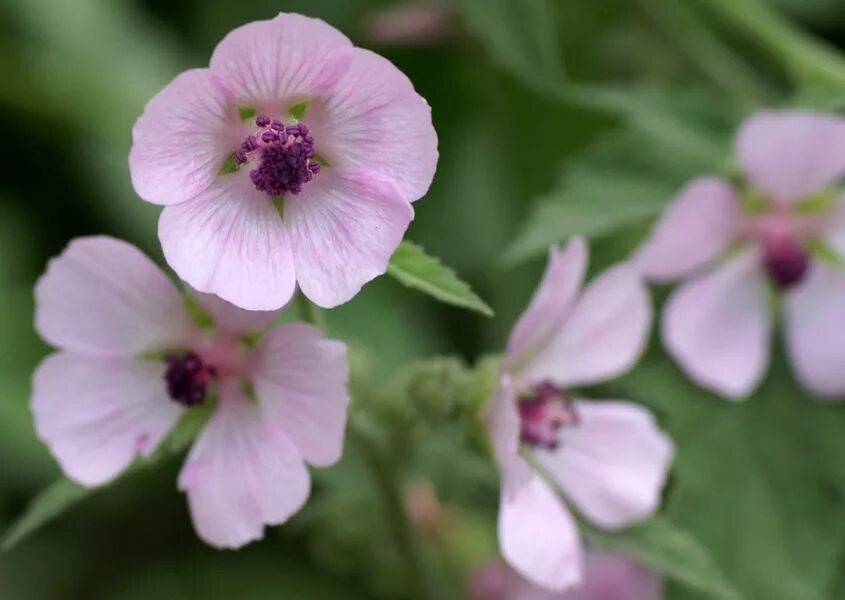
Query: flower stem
[385, 478]
[384, 475]
[807, 60]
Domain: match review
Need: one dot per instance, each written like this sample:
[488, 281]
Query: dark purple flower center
[284, 155]
[543, 412]
[786, 262]
[187, 378]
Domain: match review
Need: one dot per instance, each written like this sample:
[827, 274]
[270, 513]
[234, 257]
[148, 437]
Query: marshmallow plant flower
[607, 458]
[131, 362]
[292, 159]
[782, 229]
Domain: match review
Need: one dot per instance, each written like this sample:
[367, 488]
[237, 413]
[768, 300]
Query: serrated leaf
[521, 36]
[667, 549]
[414, 268]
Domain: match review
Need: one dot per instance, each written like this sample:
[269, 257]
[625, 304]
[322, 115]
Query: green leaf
[63, 493]
[673, 552]
[415, 269]
[521, 37]
[628, 175]
[46, 506]
[760, 482]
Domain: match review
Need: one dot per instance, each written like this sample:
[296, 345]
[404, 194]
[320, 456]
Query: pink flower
[131, 362]
[294, 158]
[606, 577]
[608, 458]
[782, 228]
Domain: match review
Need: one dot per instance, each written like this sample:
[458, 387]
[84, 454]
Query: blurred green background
[74, 74]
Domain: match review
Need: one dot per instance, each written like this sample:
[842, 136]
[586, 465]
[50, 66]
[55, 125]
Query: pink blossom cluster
[292, 161]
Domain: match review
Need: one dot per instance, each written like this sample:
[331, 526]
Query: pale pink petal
[183, 138]
[242, 473]
[697, 226]
[538, 536]
[551, 302]
[504, 426]
[228, 318]
[614, 577]
[374, 120]
[815, 318]
[790, 154]
[285, 59]
[717, 327]
[98, 414]
[343, 228]
[300, 381]
[104, 297]
[230, 241]
[612, 465]
[602, 337]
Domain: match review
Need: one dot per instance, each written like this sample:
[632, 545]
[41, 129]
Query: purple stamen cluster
[786, 262]
[187, 378]
[543, 412]
[286, 159]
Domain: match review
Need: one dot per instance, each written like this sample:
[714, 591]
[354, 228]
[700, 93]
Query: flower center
[285, 156]
[785, 261]
[187, 378]
[543, 412]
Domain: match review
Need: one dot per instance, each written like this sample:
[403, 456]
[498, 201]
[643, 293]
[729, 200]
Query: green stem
[807, 60]
[384, 475]
[715, 59]
[309, 312]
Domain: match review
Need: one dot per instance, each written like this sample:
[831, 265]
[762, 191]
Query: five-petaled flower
[293, 158]
[781, 228]
[132, 361]
[608, 458]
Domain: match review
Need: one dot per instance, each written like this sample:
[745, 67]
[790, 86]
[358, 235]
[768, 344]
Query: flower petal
[97, 415]
[602, 337]
[552, 301]
[503, 424]
[697, 226]
[344, 227]
[790, 154]
[717, 327]
[230, 241]
[286, 58]
[814, 311]
[538, 536]
[183, 138]
[374, 120]
[612, 465]
[615, 577]
[104, 297]
[242, 473]
[230, 319]
[300, 381]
